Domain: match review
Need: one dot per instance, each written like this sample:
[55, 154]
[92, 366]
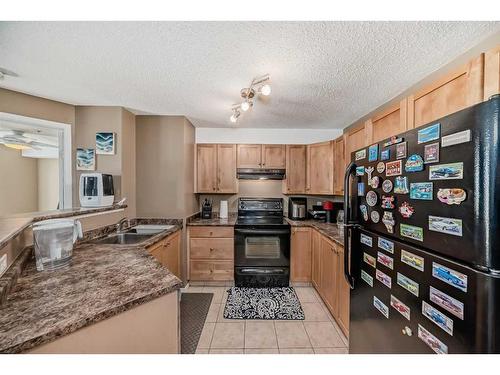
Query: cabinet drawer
[206, 270]
[211, 248]
[211, 231]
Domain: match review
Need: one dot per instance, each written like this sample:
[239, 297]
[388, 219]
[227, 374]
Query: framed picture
[85, 159]
[105, 143]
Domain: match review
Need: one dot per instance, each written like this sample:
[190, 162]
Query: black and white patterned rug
[263, 303]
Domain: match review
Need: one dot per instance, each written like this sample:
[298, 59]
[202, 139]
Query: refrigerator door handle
[348, 224]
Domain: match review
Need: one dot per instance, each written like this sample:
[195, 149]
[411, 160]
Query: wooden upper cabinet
[457, 90]
[273, 156]
[319, 174]
[226, 169]
[355, 138]
[491, 73]
[338, 166]
[249, 156]
[389, 122]
[206, 168]
[296, 160]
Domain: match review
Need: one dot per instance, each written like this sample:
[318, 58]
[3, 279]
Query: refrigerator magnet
[387, 186]
[449, 276]
[380, 306]
[406, 210]
[452, 171]
[445, 225]
[393, 168]
[401, 185]
[360, 171]
[375, 216]
[386, 245]
[451, 196]
[361, 189]
[361, 154]
[431, 153]
[369, 172]
[383, 278]
[373, 152]
[371, 198]
[374, 182]
[364, 212]
[400, 307]
[368, 259]
[401, 151]
[411, 231]
[421, 190]
[393, 140]
[456, 138]
[385, 155]
[438, 318]
[366, 240]
[408, 284]
[430, 133]
[388, 221]
[367, 278]
[387, 202]
[386, 260]
[414, 163]
[412, 260]
[381, 165]
[447, 302]
[431, 341]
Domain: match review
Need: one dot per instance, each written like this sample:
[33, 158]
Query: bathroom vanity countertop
[102, 281]
[215, 221]
[329, 230]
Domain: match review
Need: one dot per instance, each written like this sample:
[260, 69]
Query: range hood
[260, 174]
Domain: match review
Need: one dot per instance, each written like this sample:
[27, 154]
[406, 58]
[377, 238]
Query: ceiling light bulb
[245, 106]
[233, 118]
[265, 90]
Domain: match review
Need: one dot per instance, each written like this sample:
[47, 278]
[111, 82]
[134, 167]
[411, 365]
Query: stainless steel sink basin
[124, 239]
[149, 228]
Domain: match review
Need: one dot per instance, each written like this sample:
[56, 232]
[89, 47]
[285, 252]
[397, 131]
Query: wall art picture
[85, 159]
[105, 143]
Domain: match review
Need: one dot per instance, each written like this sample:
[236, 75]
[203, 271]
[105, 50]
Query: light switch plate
[3, 264]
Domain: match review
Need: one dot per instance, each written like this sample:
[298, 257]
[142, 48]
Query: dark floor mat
[194, 310]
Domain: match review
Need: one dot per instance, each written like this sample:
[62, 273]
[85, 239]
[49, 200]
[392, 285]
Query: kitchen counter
[327, 229]
[216, 221]
[102, 281]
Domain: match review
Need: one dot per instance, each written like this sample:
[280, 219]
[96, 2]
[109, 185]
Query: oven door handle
[261, 270]
[262, 231]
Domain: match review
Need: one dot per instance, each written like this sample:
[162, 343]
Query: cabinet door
[157, 251]
[356, 138]
[206, 168]
[296, 169]
[300, 254]
[329, 266]
[338, 166]
[273, 156]
[316, 259]
[343, 293]
[458, 90]
[249, 156]
[172, 252]
[226, 169]
[320, 168]
[389, 122]
[491, 73]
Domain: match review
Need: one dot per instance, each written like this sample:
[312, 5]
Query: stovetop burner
[260, 212]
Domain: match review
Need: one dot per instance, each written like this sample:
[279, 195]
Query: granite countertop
[103, 280]
[215, 221]
[329, 230]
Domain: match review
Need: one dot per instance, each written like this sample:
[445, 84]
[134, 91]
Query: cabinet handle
[211, 233]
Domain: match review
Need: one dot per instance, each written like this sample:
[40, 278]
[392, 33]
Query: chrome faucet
[119, 225]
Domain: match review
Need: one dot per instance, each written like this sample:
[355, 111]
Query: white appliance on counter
[96, 190]
[223, 210]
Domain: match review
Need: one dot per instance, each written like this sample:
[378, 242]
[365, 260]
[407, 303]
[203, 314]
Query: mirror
[32, 165]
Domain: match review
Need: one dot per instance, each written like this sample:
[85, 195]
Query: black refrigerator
[422, 238]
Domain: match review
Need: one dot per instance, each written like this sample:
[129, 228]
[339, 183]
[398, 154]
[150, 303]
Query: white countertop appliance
[96, 190]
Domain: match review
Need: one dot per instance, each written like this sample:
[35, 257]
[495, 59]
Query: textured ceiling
[324, 74]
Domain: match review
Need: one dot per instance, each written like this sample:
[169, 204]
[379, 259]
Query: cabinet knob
[211, 233]
[212, 249]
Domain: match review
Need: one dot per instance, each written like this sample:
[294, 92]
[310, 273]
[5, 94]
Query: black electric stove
[261, 244]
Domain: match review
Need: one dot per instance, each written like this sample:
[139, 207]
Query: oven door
[262, 247]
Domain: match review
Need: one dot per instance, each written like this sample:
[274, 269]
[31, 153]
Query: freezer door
[468, 230]
[406, 300]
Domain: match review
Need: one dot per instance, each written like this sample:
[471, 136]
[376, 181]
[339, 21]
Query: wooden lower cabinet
[211, 253]
[168, 252]
[300, 255]
[328, 279]
[316, 258]
[343, 293]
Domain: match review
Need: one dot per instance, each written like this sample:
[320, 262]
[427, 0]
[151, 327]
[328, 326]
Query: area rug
[194, 310]
[263, 303]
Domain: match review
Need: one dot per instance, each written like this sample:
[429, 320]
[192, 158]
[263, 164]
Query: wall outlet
[3, 264]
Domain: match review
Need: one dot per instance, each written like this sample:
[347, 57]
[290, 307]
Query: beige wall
[18, 182]
[48, 184]
[128, 161]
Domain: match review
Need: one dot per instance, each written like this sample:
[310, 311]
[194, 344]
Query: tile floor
[317, 334]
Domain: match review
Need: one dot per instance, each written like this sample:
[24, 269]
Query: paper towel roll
[223, 210]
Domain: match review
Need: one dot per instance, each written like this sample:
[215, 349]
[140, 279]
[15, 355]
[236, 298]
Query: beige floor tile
[206, 336]
[228, 336]
[341, 334]
[291, 335]
[314, 312]
[296, 351]
[213, 313]
[260, 335]
[221, 319]
[218, 292]
[214, 283]
[323, 335]
[193, 289]
[226, 351]
[331, 351]
[306, 294]
[201, 351]
[262, 351]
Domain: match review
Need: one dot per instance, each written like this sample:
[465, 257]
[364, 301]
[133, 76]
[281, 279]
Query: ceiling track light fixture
[258, 86]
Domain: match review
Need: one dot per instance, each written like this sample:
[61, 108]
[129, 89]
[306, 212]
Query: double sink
[133, 235]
